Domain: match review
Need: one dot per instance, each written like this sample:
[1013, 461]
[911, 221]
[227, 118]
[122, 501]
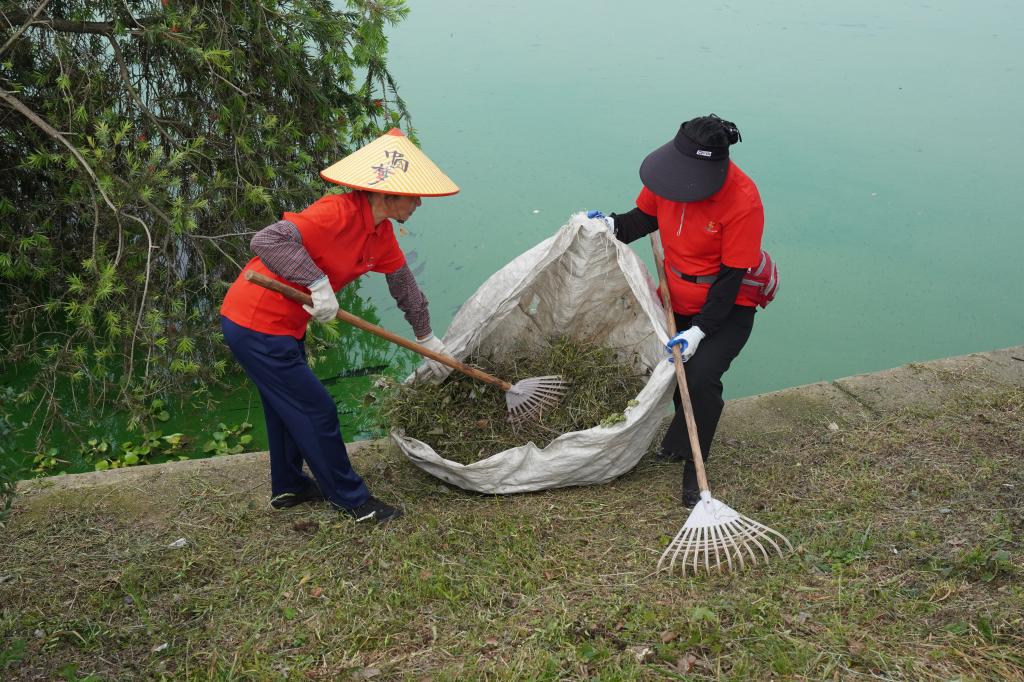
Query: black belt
[696, 279]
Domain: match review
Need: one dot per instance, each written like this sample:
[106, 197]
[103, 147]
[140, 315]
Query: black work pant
[704, 378]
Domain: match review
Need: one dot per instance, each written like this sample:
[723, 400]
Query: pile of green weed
[465, 420]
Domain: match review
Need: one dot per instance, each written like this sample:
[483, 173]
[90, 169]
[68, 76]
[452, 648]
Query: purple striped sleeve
[410, 300]
[280, 248]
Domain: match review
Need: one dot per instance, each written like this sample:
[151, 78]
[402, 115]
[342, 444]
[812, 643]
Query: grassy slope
[909, 529]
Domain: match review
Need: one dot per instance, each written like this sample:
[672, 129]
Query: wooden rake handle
[684, 390]
[293, 294]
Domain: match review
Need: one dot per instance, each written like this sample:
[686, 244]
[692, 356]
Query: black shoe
[665, 455]
[691, 491]
[289, 500]
[691, 498]
[374, 510]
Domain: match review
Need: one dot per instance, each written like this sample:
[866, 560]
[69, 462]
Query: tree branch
[32, 116]
[65, 26]
[61, 25]
[142, 303]
[131, 90]
[24, 25]
[35, 118]
[221, 236]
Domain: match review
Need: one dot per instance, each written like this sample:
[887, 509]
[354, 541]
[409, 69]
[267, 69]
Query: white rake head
[716, 536]
[529, 398]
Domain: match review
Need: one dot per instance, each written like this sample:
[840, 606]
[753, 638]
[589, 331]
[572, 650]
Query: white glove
[325, 303]
[687, 342]
[432, 370]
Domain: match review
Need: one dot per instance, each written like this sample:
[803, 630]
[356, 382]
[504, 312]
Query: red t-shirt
[701, 236]
[339, 234]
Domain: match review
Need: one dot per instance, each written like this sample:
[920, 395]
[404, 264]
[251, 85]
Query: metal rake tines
[529, 398]
[717, 537]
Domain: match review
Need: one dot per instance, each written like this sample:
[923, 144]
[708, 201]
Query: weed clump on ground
[465, 420]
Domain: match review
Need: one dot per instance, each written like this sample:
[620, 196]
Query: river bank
[902, 490]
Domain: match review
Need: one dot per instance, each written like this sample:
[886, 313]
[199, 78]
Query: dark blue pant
[302, 421]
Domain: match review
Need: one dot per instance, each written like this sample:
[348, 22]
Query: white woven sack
[584, 283]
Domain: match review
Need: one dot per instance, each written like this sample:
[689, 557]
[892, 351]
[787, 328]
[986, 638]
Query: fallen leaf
[642, 654]
[684, 664]
[306, 526]
[667, 636]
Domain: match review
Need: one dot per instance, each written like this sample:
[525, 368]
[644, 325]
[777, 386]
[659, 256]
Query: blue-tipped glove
[325, 303]
[609, 222]
[687, 341]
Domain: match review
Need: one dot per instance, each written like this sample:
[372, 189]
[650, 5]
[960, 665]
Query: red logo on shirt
[712, 227]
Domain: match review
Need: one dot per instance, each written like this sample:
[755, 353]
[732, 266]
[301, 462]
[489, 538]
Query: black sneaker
[691, 491]
[665, 455]
[289, 500]
[690, 498]
[374, 510]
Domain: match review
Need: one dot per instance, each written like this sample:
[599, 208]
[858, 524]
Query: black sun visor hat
[682, 170]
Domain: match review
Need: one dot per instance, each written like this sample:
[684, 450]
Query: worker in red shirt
[320, 250]
[710, 219]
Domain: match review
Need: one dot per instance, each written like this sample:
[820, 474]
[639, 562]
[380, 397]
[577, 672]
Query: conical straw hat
[391, 164]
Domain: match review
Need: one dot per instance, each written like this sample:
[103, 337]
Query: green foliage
[13, 654]
[229, 440]
[141, 143]
[8, 473]
[46, 462]
[153, 444]
[69, 672]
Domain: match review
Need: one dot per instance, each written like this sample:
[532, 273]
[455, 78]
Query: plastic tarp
[580, 282]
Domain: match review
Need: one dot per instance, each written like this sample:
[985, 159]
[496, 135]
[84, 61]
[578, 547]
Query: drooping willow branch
[125, 78]
[41, 123]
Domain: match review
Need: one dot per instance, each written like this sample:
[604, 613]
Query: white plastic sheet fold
[584, 283]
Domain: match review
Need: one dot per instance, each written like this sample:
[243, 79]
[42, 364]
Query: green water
[884, 138]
